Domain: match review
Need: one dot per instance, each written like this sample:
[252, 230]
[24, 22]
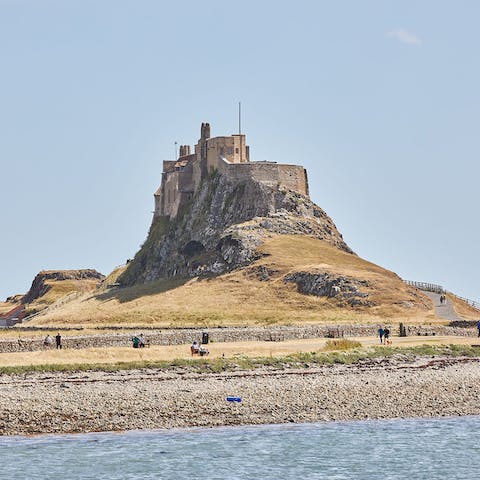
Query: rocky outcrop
[14, 298]
[331, 286]
[40, 285]
[222, 228]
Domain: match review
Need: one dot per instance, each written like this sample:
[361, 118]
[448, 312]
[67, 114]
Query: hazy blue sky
[378, 99]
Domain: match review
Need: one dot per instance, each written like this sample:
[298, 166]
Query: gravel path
[444, 310]
[148, 399]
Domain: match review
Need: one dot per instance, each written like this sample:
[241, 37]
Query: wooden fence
[432, 287]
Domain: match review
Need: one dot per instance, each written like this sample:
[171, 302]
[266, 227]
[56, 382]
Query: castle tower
[205, 131]
[201, 149]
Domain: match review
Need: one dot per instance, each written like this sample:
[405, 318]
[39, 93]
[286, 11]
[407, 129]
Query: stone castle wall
[232, 148]
[178, 186]
[171, 197]
[293, 177]
[177, 189]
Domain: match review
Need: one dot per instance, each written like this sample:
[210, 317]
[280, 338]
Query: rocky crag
[43, 281]
[347, 290]
[222, 228]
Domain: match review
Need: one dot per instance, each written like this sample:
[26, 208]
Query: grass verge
[239, 362]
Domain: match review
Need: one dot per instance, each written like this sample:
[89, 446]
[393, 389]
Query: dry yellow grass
[240, 298]
[464, 309]
[252, 349]
[112, 278]
[60, 289]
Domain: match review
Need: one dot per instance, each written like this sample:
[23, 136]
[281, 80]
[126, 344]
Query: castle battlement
[228, 155]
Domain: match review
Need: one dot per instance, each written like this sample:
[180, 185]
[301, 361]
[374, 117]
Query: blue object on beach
[234, 399]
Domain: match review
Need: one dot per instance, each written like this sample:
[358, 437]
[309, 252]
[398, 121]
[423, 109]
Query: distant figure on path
[386, 334]
[478, 327]
[58, 340]
[381, 333]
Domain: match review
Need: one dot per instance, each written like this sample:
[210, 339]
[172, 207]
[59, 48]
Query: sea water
[430, 449]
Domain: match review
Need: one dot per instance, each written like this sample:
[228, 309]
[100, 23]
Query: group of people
[384, 334]
[139, 342]
[443, 298]
[48, 341]
[197, 348]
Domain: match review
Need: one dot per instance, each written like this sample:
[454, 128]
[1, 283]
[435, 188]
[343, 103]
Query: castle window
[236, 150]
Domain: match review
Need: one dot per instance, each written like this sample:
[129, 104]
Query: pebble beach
[396, 387]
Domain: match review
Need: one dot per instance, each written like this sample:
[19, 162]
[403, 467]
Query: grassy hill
[249, 296]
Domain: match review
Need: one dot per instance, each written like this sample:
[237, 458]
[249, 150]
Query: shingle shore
[180, 397]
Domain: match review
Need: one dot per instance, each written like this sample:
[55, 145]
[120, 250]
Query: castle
[229, 156]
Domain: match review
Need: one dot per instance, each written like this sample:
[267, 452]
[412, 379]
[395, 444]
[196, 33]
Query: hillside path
[444, 310]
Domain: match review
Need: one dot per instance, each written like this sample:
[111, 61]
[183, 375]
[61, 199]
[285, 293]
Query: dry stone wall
[186, 336]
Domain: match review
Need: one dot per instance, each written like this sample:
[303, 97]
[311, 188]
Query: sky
[378, 99]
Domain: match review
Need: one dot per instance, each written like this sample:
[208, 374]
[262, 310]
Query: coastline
[180, 397]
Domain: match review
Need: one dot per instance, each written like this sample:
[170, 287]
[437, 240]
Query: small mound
[50, 286]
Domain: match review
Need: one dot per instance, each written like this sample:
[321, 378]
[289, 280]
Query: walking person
[478, 327]
[58, 340]
[386, 334]
[381, 333]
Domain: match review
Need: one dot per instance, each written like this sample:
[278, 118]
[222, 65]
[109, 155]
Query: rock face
[40, 286]
[222, 227]
[327, 285]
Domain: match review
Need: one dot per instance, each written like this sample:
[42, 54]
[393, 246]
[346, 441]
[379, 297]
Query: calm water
[393, 449]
